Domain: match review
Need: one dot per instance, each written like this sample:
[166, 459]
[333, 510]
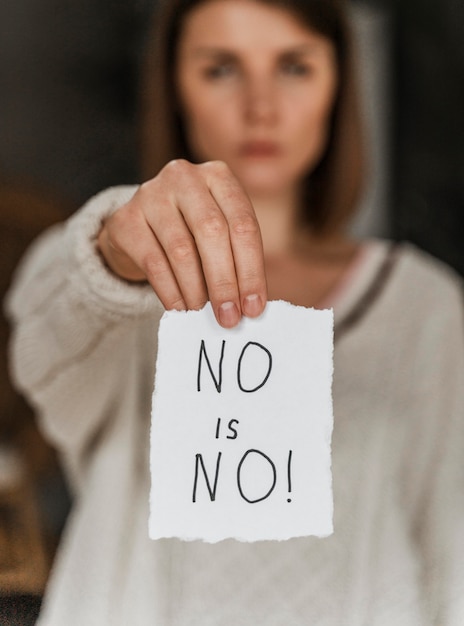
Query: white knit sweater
[84, 351]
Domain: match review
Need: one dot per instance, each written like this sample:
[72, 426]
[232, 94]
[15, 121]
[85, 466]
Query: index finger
[245, 237]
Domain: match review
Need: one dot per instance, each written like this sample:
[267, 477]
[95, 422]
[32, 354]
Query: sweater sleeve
[434, 483]
[440, 521]
[73, 325]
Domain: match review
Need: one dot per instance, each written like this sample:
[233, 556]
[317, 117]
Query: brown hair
[332, 188]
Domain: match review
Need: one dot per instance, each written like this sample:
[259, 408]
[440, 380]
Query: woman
[266, 88]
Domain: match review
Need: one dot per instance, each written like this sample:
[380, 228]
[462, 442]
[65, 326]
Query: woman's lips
[259, 149]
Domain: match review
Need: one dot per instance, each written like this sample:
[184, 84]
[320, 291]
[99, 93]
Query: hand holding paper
[192, 233]
[241, 426]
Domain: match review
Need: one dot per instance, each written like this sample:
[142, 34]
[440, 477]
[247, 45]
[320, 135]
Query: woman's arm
[433, 479]
[82, 294]
[74, 324]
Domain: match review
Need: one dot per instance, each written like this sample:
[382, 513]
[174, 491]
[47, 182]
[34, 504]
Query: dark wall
[67, 84]
[428, 189]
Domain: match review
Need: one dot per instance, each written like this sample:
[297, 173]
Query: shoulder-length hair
[332, 188]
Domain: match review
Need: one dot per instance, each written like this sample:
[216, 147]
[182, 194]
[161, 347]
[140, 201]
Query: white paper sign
[242, 425]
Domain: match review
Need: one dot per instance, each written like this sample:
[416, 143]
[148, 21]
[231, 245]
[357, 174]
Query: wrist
[117, 261]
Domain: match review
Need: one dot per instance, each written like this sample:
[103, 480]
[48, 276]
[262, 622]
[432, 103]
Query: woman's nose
[260, 102]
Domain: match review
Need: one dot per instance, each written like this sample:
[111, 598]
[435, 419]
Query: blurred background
[68, 128]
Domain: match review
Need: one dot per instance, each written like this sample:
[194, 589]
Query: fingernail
[252, 306]
[228, 314]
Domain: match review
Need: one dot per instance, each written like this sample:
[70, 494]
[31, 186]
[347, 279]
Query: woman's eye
[222, 70]
[296, 69]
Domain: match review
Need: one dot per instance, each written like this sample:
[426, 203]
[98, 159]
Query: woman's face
[256, 89]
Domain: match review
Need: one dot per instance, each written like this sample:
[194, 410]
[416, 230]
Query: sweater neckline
[362, 283]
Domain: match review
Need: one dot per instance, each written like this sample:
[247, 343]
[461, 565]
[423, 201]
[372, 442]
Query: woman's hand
[191, 232]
